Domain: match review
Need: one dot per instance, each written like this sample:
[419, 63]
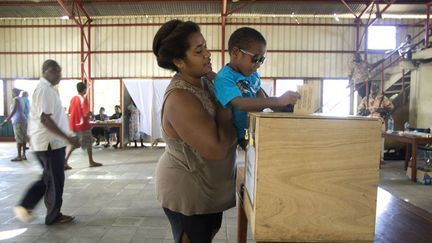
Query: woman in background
[134, 124]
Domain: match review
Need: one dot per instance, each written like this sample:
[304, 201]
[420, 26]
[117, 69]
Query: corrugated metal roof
[98, 8]
[152, 9]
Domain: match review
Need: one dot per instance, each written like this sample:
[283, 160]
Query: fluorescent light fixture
[336, 17]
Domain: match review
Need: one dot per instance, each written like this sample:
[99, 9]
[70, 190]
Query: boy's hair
[243, 37]
[81, 87]
[172, 41]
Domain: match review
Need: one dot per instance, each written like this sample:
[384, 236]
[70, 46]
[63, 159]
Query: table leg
[407, 155]
[241, 219]
[414, 162]
[121, 135]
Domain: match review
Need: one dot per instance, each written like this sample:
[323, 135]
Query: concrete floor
[116, 202]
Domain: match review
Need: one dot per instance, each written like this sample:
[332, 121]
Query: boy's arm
[260, 103]
[255, 104]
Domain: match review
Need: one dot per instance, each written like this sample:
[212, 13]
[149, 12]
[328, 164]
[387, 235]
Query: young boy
[238, 84]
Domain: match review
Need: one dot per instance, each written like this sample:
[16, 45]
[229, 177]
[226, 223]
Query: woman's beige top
[187, 183]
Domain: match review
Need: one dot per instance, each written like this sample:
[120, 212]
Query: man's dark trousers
[50, 186]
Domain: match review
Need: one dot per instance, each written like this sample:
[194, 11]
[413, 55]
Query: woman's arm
[185, 118]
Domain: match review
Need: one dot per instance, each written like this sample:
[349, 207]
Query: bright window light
[267, 86]
[381, 38]
[67, 90]
[26, 85]
[106, 94]
[336, 97]
[283, 85]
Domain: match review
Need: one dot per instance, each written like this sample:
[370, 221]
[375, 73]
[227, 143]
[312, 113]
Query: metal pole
[403, 86]
[223, 24]
[427, 25]
[82, 54]
[357, 22]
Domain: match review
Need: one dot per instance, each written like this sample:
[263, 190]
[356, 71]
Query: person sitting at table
[99, 132]
[116, 116]
[375, 104]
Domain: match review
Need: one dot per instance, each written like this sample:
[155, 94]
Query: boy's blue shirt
[227, 83]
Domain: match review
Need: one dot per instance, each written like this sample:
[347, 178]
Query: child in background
[238, 84]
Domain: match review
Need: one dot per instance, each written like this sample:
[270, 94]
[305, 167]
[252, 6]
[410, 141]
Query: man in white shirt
[49, 133]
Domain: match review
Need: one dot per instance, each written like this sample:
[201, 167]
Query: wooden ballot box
[311, 178]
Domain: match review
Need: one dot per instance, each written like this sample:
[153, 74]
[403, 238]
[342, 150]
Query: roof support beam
[427, 25]
[82, 19]
[372, 2]
[349, 8]
[240, 7]
[384, 9]
[377, 16]
[224, 15]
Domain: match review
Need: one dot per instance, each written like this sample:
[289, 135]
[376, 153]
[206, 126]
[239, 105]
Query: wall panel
[295, 50]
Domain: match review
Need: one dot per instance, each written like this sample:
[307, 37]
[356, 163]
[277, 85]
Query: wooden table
[411, 142]
[108, 125]
[396, 221]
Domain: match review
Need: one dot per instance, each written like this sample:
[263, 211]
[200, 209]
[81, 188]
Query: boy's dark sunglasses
[256, 59]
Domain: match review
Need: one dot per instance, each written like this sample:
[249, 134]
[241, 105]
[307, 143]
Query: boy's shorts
[85, 138]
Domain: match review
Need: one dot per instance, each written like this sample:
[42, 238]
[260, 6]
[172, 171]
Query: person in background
[359, 75]
[19, 122]
[238, 84]
[375, 104]
[49, 134]
[195, 177]
[97, 132]
[26, 101]
[405, 48]
[24, 96]
[116, 116]
[134, 124]
[79, 122]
